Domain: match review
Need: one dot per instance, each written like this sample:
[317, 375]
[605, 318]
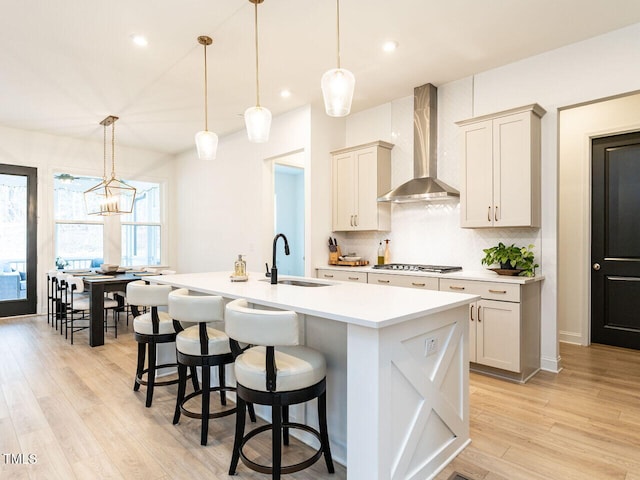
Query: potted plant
[61, 263]
[511, 258]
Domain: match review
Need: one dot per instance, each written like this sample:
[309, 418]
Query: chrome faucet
[274, 269]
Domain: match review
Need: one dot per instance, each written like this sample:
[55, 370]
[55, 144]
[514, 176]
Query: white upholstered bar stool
[277, 372]
[201, 345]
[150, 329]
[79, 306]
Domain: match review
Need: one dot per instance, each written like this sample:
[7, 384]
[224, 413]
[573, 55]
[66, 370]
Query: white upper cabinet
[501, 169]
[360, 175]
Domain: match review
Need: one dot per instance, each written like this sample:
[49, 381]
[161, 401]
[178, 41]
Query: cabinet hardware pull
[418, 284]
[472, 313]
[353, 278]
[455, 287]
[497, 291]
[383, 281]
[479, 319]
[489, 213]
[327, 275]
[495, 213]
[351, 220]
[355, 220]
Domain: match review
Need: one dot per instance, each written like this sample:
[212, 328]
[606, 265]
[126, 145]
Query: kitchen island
[397, 367]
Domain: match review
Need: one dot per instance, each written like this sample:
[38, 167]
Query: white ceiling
[65, 65]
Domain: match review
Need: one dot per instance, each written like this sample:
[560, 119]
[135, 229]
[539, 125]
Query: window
[79, 238]
[141, 229]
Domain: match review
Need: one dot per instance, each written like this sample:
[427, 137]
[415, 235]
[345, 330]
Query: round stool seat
[188, 341]
[298, 367]
[143, 324]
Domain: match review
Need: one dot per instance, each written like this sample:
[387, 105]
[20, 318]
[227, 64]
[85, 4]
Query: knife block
[333, 256]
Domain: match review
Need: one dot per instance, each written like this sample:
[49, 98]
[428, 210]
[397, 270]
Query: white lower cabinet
[343, 276]
[504, 327]
[411, 281]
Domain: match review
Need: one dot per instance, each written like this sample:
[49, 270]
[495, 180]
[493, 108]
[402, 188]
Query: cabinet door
[512, 169]
[476, 195]
[366, 211]
[344, 193]
[498, 335]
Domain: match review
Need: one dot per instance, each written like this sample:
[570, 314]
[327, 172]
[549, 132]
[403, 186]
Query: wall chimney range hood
[425, 186]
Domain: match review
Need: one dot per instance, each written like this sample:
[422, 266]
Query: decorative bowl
[109, 267]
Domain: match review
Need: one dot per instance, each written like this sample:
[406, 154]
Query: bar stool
[281, 377]
[78, 302]
[150, 329]
[203, 346]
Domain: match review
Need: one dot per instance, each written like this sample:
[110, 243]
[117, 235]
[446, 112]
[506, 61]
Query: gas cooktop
[417, 268]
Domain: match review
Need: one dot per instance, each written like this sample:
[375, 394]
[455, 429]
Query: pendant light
[257, 119]
[206, 141]
[112, 196]
[337, 84]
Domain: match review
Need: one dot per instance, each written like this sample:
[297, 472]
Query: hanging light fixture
[337, 84]
[257, 119]
[206, 141]
[111, 196]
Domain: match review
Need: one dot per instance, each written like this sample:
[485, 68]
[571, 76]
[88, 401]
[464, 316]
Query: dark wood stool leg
[237, 442]
[182, 387]
[285, 420]
[151, 376]
[142, 350]
[206, 394]
[276, 441]
[221, 379]
[324, 435]
[252, 412]
[194, 378]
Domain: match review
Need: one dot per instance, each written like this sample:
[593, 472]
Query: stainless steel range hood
[425, 185]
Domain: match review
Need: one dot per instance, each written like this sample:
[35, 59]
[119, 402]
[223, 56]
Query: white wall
[221, 209]
[429, 233]
[54, 154]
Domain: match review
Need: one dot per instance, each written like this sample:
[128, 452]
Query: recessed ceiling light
[285, 93]
[389, 46]
[139, 40]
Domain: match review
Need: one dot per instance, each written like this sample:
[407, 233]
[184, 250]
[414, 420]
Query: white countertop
[362, 304]
[480, 275]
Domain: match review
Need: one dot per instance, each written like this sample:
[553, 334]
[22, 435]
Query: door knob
[596, 266]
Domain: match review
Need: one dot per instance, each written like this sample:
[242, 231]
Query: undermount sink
[298, 283]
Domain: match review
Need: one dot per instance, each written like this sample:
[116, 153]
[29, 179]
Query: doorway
[615, 241]
[289, 216]
[285, 209]
[18, 240]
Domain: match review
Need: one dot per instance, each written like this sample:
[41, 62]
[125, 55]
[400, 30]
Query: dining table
[98, 285]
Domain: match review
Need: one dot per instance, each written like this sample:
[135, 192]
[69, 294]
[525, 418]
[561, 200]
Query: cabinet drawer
[343, 276]
[411, 281]
[490, 290]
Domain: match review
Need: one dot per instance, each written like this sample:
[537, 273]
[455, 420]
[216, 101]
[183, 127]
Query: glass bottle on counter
[240, 267]
[380, 254]
[387, 252]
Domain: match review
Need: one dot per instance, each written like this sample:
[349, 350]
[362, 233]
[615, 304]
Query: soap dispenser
[387, 252]
[240, 267]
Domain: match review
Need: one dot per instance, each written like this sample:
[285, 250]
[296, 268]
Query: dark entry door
[615, 242]
[18, 235]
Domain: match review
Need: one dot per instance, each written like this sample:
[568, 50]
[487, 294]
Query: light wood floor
[73, 407]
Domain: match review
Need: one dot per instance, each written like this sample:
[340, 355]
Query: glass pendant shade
[258, 122]
[337, 89]
[207, 145]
